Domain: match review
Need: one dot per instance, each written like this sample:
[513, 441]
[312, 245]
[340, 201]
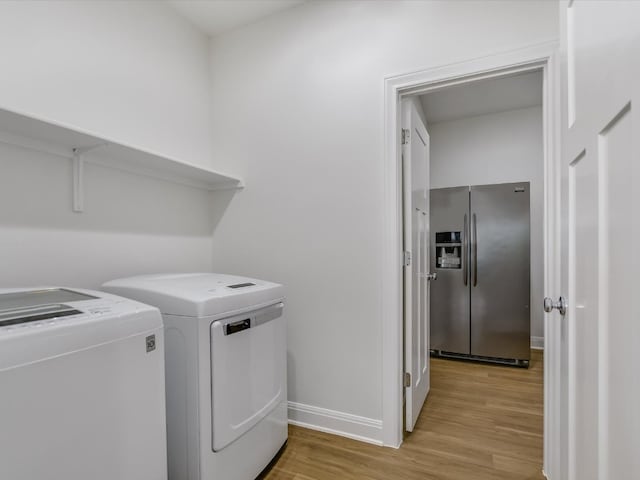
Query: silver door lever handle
[560, 305]
[431, 276]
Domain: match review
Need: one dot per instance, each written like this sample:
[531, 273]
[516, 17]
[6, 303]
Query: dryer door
[248, 369]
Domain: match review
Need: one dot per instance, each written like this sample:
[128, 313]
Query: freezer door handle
[465, 248]
[474, 246]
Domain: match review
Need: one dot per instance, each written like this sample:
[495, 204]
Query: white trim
[552, 457]
[537, 343]
[337, 423]
[528, 58]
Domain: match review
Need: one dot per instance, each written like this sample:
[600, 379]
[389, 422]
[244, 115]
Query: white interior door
[601, 234]
[415, 161]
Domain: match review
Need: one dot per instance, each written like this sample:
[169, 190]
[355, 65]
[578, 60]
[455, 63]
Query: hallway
[480, 422]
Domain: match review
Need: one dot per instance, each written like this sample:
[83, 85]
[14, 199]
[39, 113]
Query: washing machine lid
[198, 294]
[44, 322]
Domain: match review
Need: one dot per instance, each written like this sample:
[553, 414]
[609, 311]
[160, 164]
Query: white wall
[131, 225]
[132, 71]
[135, 72]
[498, 148]
[299, 107]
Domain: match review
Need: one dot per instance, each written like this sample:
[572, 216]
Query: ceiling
[483, 97]
[217, 16]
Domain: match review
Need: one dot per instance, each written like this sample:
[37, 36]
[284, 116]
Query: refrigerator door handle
[465, 248]
[474, 245]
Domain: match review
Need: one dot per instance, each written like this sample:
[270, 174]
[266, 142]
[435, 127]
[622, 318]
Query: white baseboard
[537, 343]
[338, 423]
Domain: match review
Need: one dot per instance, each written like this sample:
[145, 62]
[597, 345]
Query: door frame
[534, 57]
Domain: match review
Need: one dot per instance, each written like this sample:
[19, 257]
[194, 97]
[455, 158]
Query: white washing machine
[226, 371]
[81, 387]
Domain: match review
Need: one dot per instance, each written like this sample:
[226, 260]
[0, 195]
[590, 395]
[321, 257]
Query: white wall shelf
[55, 139]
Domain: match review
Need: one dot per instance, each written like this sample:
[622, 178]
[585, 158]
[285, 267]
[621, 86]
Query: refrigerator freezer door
[500, 263]
[449, 260]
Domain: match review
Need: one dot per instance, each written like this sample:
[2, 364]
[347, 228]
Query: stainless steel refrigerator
[480, 250]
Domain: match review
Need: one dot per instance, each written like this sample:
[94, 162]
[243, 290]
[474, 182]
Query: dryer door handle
[235, 327]
[254, 319]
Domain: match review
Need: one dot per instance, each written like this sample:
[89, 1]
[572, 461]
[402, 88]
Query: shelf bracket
[78, 182]
[78, 175]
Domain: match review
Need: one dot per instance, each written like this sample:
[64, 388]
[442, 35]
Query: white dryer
[226, 371]
[81, 387]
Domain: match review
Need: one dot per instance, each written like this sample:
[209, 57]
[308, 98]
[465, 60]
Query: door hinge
[406, 260]
[407, 379]
[406, 136]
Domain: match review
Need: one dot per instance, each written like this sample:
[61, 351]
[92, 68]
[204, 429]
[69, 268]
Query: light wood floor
[480, 422]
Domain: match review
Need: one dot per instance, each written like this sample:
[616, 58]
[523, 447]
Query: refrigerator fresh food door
[449, 259]
[499, 270]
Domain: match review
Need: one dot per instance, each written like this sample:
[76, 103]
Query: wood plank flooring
[480, 422]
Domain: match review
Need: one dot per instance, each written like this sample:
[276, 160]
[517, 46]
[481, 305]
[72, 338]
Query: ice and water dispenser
[448, 250]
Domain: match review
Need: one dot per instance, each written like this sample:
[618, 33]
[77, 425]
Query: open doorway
[473, 203]
[506, 101]
[486, 220]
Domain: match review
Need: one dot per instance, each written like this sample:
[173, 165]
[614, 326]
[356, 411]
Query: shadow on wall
[131, 224]
[36, 191]
[292, 391]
